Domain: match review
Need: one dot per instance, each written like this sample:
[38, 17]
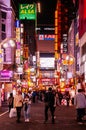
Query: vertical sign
[1, 56]
[58, 30]
[18, 34]
[1, 59]
[8, 54]
[65, 43]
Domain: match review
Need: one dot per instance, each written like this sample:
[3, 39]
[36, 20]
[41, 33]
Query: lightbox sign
[1, 56]
[47, 81]
[65, 43]
[8, 56]
[47, 62]
[27, 11]
[46, 37]
[6, 74]
[17, 24]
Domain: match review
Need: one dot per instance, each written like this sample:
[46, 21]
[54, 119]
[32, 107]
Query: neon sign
[46, 37]
[27, 11]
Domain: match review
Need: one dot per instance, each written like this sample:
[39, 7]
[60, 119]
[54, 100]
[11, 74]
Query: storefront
[5, 84]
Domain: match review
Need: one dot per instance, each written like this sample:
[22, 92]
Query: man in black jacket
[49, 100]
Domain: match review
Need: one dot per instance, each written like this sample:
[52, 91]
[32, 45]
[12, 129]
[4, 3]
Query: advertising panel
[47, 62]
[47, 81]
[1, 56]
[8, 55]
[46, 37]
[27, 11]
[5, 75]
[65, 43]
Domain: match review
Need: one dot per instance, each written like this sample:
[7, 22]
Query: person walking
[49, 100]
[67, 96]
[18, 101]
[60, 96]
[26, 107]
[80, 103]
[10, 101]
[56, 101]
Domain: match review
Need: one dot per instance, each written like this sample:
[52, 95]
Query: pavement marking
[3, 113]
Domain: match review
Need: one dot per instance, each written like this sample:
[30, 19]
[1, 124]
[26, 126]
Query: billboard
[27, 11]
[47, 61]
[46, 37]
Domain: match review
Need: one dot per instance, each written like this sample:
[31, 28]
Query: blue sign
[17, 24]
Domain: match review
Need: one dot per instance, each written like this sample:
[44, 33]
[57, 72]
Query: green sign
[27, 11]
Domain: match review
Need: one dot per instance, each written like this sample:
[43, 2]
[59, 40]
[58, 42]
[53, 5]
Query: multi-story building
[7, 31]
[79, 41]
[63, 17]
[82, 37]
[45, 56]
[7, 19]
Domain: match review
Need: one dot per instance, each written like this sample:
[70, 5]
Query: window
[84, 49]
[3, 27]
[3, 36]
[3, 15]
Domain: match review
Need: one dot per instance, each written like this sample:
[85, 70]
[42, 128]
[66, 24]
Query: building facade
[7, 20]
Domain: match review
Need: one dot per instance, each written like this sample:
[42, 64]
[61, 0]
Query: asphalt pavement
[65, 119]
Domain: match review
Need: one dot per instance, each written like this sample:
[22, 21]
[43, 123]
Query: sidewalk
[3, 108]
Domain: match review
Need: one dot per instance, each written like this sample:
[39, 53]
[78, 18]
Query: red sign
[47, 81]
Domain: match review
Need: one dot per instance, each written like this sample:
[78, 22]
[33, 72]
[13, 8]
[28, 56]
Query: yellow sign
[25, 52]
[1, 55]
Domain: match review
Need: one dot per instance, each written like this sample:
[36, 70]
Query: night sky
[47, 10]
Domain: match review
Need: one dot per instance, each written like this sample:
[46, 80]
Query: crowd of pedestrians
[51, 100]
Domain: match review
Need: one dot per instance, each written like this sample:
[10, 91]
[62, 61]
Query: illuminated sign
[41, 37]
[18, 56]
[1, 56]
[47, 81]
[8, 57]
[27, 11]
[47, 62]
[57, 30]
[17, 23]
[65, 43]
[18, 34]
[6, 74]
[46, 37]
[25, 52]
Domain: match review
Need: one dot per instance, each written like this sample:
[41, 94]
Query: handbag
[13, 113]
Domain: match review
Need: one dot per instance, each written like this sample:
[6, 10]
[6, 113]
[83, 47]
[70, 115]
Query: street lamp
[10, 40]
[68, 64]
[70, 59]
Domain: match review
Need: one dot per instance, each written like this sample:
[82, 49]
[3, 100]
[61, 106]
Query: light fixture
[12, 43]
[8, 42]
[5, 45]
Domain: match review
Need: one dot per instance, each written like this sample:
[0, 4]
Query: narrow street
[65, 119]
